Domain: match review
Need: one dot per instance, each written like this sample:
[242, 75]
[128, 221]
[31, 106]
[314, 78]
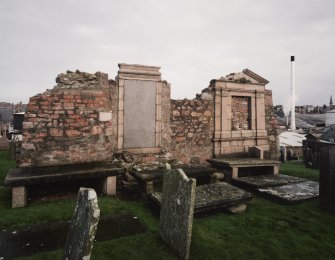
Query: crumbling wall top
[81, 80]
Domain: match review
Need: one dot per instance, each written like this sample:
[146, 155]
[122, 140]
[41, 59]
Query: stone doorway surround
[236, 142]
[136, 76]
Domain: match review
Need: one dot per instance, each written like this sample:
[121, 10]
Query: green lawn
[267, 230]
[5, 164]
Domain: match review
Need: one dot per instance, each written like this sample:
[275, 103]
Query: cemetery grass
[266, 230]
[5, 164]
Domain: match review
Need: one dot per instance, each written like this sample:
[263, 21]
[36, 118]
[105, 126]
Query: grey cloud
[193, 42]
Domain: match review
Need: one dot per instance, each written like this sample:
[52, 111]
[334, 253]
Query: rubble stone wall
[62, 125]
[271, 125]
[240, 109]
[192, 126]
[166, 108]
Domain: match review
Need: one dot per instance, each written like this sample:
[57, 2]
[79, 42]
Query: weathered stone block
[56, 132]
[83, 227]
[72, 133]
[96, 130]
[176, 214]
[237, 209]
[109, 186]
[19, 197]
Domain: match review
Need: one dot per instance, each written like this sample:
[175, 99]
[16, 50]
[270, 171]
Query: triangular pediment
[246, 76]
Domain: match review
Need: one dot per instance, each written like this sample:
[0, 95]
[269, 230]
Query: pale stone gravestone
[327, 179]
[83, 227]
[176, 216]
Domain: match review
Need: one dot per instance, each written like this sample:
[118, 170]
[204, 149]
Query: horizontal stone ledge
[239, 138]
[142, 150]
[48, 174]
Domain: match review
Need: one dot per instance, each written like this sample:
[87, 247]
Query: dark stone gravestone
[83, 226]
[327, 179]
[176, 216]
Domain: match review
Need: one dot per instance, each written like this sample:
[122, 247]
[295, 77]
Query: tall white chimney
[293, 128]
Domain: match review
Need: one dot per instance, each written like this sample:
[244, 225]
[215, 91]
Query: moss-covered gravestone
[83, 226]
[176, 216]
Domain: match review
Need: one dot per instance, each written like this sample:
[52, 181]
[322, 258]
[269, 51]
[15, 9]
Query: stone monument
[79, 242]
[176, 216]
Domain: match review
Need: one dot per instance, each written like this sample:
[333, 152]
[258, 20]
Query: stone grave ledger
[220, 195]
[176, 216]
[83, 227]
[327, 179]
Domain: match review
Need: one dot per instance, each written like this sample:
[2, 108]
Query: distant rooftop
[291, 139]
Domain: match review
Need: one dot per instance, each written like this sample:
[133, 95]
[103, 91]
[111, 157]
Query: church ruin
[89, 117]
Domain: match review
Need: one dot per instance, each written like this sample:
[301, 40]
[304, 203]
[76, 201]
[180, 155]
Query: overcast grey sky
[192, 41]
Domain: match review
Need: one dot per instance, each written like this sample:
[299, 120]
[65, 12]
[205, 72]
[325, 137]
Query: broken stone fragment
[237, 209]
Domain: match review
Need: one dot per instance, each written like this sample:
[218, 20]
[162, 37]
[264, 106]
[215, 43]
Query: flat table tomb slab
[267, 180]
[293, 192]
[211, 196]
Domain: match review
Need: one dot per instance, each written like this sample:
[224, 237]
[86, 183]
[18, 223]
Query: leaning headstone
[83, 226]
[327, 179]
[176, 216]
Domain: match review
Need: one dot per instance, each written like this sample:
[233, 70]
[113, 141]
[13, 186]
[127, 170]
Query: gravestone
[4, 144]
[176, 216]
[327, 179]
[83, 227]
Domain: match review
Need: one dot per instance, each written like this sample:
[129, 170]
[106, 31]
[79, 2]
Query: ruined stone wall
[62, 125]
[166, 108]
[192, 126]
[271, 125]
[241, 113]
[81, 120]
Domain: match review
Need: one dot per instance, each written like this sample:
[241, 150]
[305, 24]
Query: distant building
[330, 118]
[6, 115]
[331, 105]
[299, 109]
[7, 110]
[305, 109]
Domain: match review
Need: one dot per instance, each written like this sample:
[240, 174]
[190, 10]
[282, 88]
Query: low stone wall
[192, 129]
[62, 125]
